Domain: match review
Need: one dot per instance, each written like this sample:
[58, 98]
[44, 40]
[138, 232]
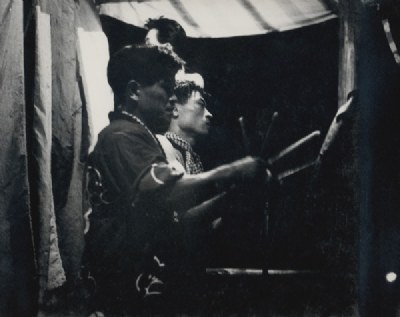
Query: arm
[190, 190]
[207, 211]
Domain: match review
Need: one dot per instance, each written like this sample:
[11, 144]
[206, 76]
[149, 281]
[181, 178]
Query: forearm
[190, 190]
[207, 211]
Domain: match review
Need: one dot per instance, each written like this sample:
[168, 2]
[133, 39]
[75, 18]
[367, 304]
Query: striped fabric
[222, 18]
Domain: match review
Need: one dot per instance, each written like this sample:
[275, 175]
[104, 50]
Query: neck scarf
[192, 161]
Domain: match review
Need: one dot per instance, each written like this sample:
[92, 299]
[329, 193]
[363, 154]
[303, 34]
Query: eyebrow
[203, 101]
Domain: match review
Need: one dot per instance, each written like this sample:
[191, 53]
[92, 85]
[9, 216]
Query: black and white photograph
[199, 158]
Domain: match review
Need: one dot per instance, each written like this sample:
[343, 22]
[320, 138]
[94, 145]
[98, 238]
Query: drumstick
[336, 125]
[245, 139]
[293, 147]
[266, 136]
[295, 170]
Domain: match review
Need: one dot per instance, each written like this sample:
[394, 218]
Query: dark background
[379, 81]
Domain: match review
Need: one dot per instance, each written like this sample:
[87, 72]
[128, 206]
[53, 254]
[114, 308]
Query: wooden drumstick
[293, 147]
[266, 136]
[336, 125]
[245, 139]
[296, 170]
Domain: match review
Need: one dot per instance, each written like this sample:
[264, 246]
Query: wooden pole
[349, 11]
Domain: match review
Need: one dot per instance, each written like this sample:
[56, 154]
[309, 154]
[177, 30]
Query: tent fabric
[61, 138]
[71, 35]
[51, 271]
[223, 18]
[67, 155]
[43, 109]
[17, 263]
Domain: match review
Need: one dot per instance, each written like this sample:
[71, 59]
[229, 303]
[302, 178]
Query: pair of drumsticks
[283, 153]
[329, 138]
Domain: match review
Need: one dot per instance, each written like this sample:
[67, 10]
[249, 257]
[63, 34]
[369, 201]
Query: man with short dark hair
[163, 30]
[139, 199]
[190, 119]
[126, 165]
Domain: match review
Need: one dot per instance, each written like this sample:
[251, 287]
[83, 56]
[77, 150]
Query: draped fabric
[51, 271]
[57, 110]
[67, 133]
[223, 18]
[45, 137]
[16, 242]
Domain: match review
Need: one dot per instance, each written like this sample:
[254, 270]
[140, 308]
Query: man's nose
[172, 100]
[208, 114]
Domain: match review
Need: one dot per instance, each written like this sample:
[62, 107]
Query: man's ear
[175, 112]
[132, 89]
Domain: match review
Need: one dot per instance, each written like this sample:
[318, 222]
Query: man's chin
[160, 127]
[205, 132]
[160, 130]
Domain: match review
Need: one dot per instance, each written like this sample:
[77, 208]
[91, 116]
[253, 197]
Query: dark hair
[169, 31]
[144, 64]
[184, 89]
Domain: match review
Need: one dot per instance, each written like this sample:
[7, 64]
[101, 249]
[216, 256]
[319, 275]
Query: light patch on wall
[93, 59]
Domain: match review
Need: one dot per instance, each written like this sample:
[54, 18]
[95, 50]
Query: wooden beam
[349, 13]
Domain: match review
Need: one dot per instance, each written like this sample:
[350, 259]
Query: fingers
[251, 168]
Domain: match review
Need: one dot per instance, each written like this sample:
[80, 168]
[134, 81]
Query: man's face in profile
[193, 116]
[154, 105]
